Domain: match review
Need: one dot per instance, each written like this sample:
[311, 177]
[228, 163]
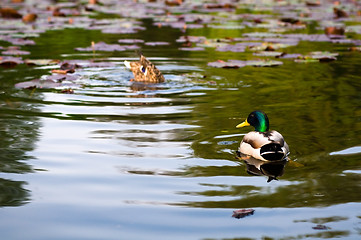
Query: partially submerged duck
[262, 144]
[144, 71]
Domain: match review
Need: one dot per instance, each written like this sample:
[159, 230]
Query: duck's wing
[269, 146]
[276, 148]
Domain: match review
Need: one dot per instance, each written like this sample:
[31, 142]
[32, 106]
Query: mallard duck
[144, 71]
[262, 144]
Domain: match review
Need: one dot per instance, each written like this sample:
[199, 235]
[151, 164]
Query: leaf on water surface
[7, 61]
[317, 56]
[63, 71]
[9, 13]
[41, 62]
[269, 54]
[156, 43]
[231, 48]
[51, 81]
[102, 46]
[30, 17]
[339, 13]
[321, 227]
[219, 6]
[334, 30]
[130, 41]
[191, 49]
[19, 41]
[38, 83]
[241, 213]
[290, 55]
[263, 63]
[86, 64]
[173, 3]
[67, 91]
[313, 3]
[229, 64]
[14, 50]
[192, 39]
[268, 46]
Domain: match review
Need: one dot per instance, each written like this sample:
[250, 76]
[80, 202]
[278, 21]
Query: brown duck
[144, 71]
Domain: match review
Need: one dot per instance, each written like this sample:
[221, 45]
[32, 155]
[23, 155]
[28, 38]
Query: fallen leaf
[13, 50]
[230, 64]
[130, 41]
[29, 18]
[61, 71]
[191, 49]
[241, 213]
[67, 91]
[321, 227]
[7, 61]
[38, 83]
[156, 43]
[41, 62]
[9, 13]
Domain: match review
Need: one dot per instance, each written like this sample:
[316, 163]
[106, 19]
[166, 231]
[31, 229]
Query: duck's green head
[258, 120]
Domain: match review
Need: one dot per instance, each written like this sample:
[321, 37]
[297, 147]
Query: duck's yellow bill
[244, 124]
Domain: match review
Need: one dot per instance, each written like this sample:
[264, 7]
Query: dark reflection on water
[19, 132]
[271, 169]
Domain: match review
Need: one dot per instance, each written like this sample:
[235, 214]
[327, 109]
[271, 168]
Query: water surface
[116, 160]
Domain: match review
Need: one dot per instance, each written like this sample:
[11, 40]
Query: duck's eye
[143, 69]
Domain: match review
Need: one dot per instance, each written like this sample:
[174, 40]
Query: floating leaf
[231, 48]
[41, 62]
[30, 17]
[230, 64]
[192, 39]
[263, 63]
[102, 46]
[38, 83]
[130, 41]
[268, 54]
[192, 49]
[156, 43]
[318, 57]
[241, 213]
[7, 61]
[20, 41]
[9, 13]
[13, 50]
[321, 227]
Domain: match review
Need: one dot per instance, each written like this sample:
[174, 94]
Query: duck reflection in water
[256, 167]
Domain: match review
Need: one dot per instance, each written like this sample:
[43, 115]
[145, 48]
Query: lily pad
[41, 62]
[130, 41]
[192, 39]
[192, 49]
[156, 43]
[15, 51]
[102, 46]
[38, 83]
[229, 64]
[268, 54]
[263, 63]
[7, 61]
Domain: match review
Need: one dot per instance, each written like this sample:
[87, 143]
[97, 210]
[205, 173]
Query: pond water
[112, 159]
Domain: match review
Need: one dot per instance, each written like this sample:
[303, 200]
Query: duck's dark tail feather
[272, 152]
